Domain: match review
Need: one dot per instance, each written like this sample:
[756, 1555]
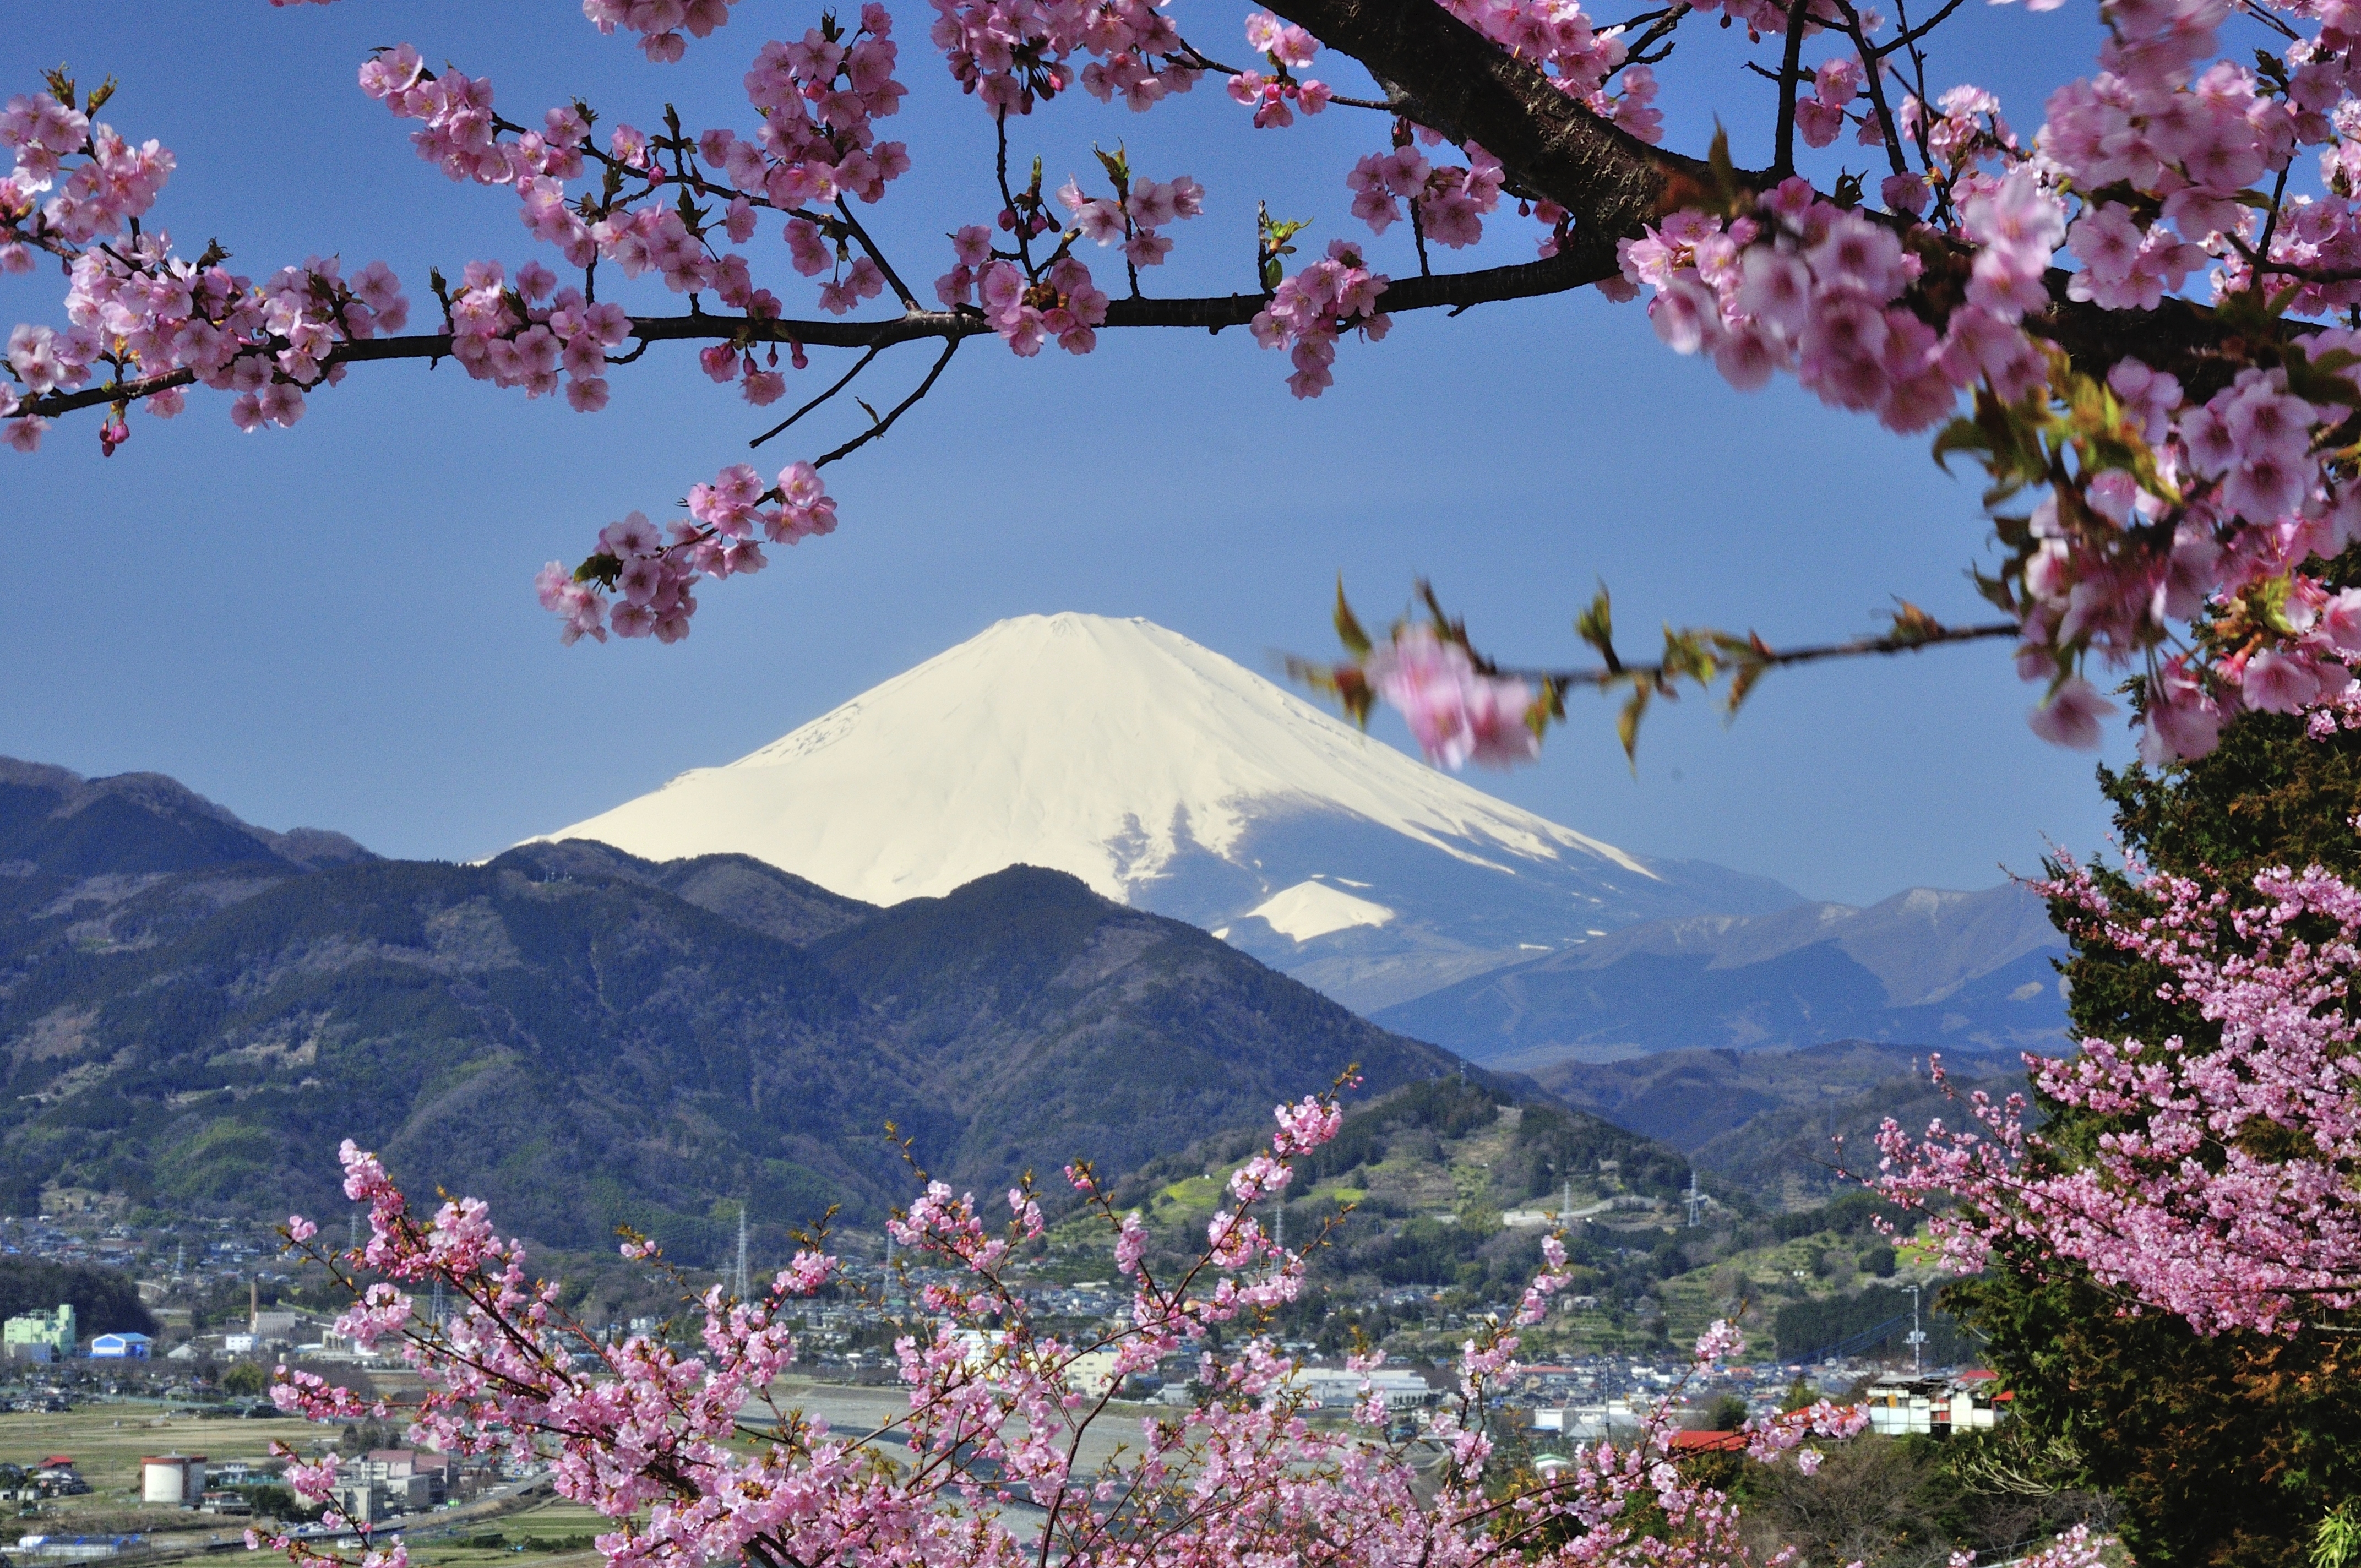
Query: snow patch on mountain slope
[1311, 909]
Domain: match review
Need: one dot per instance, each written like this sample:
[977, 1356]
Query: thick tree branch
[1472, 90]
[1612, 182]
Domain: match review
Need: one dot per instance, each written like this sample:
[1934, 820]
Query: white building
[1972, 1401]
[1332, 1388]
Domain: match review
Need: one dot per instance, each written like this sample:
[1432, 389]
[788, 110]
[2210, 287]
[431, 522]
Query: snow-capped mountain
[1169, 777]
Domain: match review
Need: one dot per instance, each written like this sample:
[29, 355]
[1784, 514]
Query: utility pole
[741, 1252]
[1917, 1337]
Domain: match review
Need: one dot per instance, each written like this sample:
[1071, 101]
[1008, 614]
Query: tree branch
[1906, 639]
[883, 425]
[1472, 90]
[842, 382]
[1524, 281]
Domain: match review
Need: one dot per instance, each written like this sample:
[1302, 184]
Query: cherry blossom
[694, 1463]
[2225, 1192]
[2183, 474]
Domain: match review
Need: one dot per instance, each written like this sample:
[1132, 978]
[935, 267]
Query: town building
[41, 1336]
[1339, 1388]
[398, 1468]
[121, 1348]
[1970, 1401]
[172, 1480]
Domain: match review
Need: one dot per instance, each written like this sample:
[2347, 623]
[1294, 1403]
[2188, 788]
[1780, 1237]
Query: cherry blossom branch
[1520, 280]
[1461, 706]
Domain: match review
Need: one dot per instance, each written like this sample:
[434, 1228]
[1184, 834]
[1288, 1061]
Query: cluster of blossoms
[523, 332]
[819, 99]
[113, 183]
[1011, 53]
[2179, 503]
[1449, 200]
[1276, 98]
[695, 1464]
[659, 22]
[1579, 60]
[1309, 311]
[2226, 1191]
[1062, 303]
[139, 313]
[1457, 712]
[1803, 286]
[1138, 209]
[649, 572]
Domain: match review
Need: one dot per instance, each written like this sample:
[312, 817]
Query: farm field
[106, 1441]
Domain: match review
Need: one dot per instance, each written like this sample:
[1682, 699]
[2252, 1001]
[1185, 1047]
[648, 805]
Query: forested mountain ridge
[585, 1038]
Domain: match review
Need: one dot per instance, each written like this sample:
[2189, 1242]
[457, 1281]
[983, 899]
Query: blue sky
[334, 625]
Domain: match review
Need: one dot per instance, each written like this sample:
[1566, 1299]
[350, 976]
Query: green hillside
[586, 1040]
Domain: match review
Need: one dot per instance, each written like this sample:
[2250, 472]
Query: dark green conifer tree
[2226, 1451]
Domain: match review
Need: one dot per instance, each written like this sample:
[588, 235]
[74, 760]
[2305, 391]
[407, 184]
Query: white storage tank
[174, 1480]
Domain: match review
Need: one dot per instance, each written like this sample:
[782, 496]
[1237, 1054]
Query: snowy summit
[1171, 778]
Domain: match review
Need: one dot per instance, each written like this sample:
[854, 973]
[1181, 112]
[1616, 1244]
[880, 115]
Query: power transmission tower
[741, 1291]
[1696, 1201]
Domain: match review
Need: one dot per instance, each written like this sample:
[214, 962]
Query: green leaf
[1596, 626]
[1348, 626]
[1627, 723]
[1963, 434]
[1742, 687]
[1717, 160]
[602, 569]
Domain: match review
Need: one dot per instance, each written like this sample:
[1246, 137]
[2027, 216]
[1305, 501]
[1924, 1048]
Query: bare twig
[883, 425]
[842, 381]
[1875, 72]
[1790, 69]
[901, 289]
[1910, 640]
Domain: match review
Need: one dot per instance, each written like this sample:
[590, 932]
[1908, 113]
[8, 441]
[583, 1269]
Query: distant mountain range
[1956, 971]
[1018, 901]
[1777, 1123]
[1167, 777]
[195, 1011]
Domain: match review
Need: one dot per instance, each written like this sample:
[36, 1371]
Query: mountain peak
[1160, 774]
[1100, 747]
[140, 824]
